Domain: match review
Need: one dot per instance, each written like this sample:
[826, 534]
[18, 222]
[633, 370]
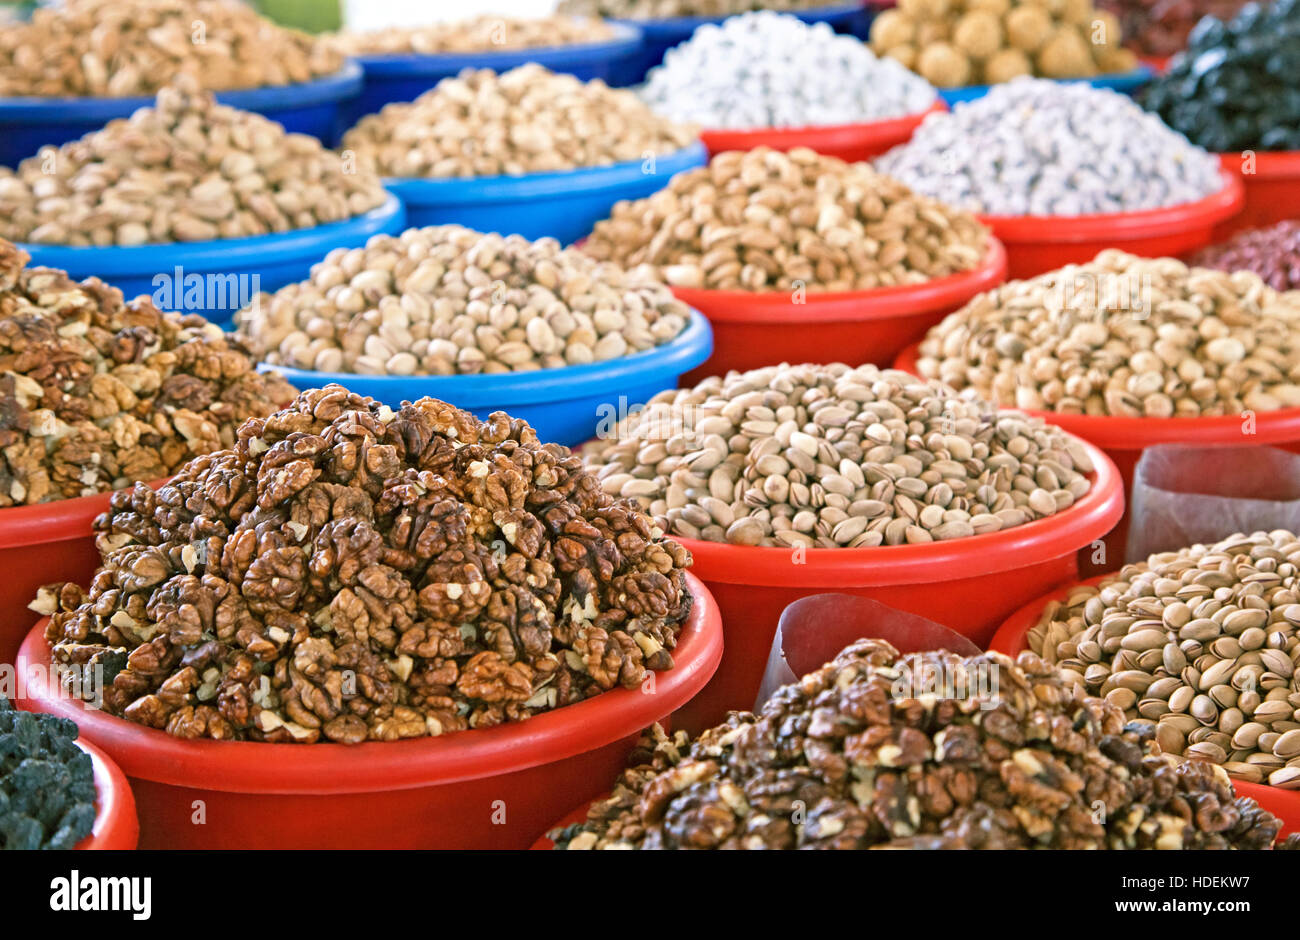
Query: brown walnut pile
[96, 394]
[351, 573]
[856, 756]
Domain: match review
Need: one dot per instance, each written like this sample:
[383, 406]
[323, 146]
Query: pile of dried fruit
[527, 120]
[96, 394]
[479, 34]
[1160, 28]
[763, 220]
[351, 573]
[830, 456]
[128, 48]
[447, 300]
[47, 783]
[186, 169]
[1273, 253]
[1126, 336]
[857, 755]
[1200, 646]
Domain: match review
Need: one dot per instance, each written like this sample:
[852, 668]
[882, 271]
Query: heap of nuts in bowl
[184, 170]
[129, 48]
[763, 220]
[487, 34]
[346, 572]
[1018, 759]
[97, 393]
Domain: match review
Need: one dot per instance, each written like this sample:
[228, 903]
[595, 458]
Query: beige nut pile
[664, 9]
[446, 300]
[831, 456]
[985, 42]
[479, 34]
[527, 120]
[126, 48]
[764, 220]
[1125, 336]
[1201, 644]
[186, 169]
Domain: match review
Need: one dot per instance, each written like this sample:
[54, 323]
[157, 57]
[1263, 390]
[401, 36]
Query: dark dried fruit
[47, 783]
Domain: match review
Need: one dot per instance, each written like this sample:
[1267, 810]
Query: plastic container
[1272, 189]
[565, 205]
[658, 36]
[1124, 439]
[1039, 243]
[28, 124]
[567, 406]
[969, 585]
[405, 77]
[228, 272]
[850, 142]
[1124, 82]
[491, 788]
[1010, 639]
[116, 826]
[43, 544]
[759, 329]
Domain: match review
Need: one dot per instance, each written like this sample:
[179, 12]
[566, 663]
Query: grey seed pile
[833, 456]
[773, 70]
[1037, 147]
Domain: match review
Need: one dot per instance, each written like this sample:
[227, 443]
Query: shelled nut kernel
[1200, 645]
[1125, 336]
[447, 300]
[830, 456]
[96, 394]
[127, 48]
[527, 120]
[663, 9]
[763, 220]
[347, 572]
[479, 34]
[186, 169]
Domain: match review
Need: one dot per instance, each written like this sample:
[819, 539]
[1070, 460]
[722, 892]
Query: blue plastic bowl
[227, 272]
[658, 36]
[564, 205]
[566, 406]
[1124, 82]
[28, 124]
[390, 78]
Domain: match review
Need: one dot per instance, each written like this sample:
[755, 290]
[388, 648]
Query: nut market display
[478, 34]
[663, 9]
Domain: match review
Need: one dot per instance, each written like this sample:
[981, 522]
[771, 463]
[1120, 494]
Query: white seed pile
[833, 456]
[1038, 147]
[773, 70]
[446, 300]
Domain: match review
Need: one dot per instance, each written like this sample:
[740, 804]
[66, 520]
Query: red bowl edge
[55, 521]
[116, 824]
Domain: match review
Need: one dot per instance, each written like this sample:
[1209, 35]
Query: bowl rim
[58, 520]
[719, 139]
[374, 766]
[116, 824]
[1132, 78]
[683, 352]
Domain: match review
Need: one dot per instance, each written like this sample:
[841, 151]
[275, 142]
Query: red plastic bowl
[39, 545]
[492, 788]
[754, 329]
[1124, 439]
[1272, 191]
[850, 142]
[1010, 639]
[1040, 243]
[968, 584]
[116, 825]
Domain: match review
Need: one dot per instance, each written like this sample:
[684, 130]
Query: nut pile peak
[1012, 758]
[831, 456]
[347, 572]
[96, 394]
[184, 170]
[764, 220]
[487, 34]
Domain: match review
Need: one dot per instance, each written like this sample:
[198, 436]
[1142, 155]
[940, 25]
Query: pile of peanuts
[1125, 336]
[186, 169]
[527, 120]
[832, 456]
[126, 48]
[447, 300]
[479, 34]
[763, 220]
